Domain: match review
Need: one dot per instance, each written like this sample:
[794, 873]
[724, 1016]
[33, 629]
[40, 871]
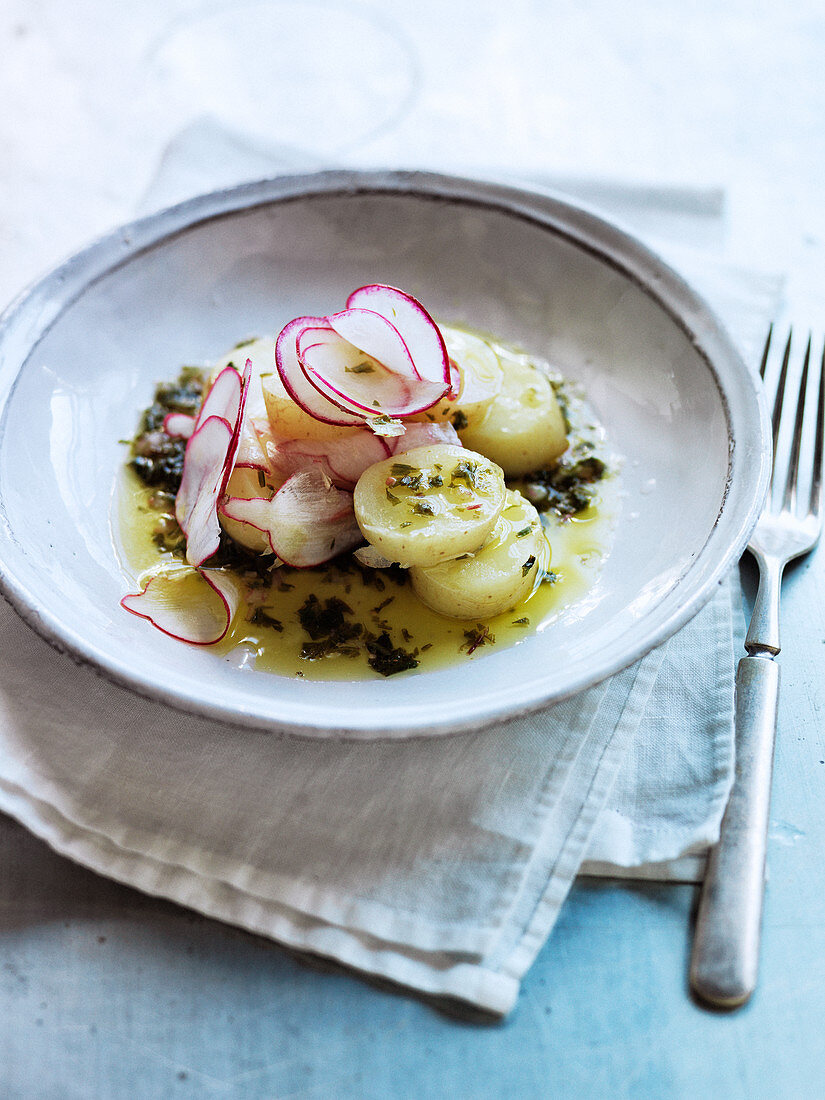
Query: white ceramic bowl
[81, 352]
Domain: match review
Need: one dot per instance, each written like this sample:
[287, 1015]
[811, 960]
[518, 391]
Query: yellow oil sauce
[267, 633]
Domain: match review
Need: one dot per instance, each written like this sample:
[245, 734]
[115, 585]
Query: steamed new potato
[288, 420]
[430, 504]
[522, 427]
[502, 573]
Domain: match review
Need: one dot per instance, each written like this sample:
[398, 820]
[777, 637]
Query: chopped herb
[385, 424]
[405, 634]
[406, 523]
[157, 458]
[459, 420]
[436, 481]
[528, 565]
[409, 476]
[387, 659]
[377, 610]
[567, 488]
[392, 498]
[521, 622]
[245, 343]
[319, 621]
[465, 471]
[524, 531]
[548, 577]
[261, 617]
[361, 368]
[475, 638]
[423, 508]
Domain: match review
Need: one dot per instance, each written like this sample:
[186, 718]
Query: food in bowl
[371, 493]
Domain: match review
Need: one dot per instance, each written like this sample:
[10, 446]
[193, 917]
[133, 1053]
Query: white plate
[80, 354]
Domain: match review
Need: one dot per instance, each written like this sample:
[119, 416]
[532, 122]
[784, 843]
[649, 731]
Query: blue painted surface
[105, 993]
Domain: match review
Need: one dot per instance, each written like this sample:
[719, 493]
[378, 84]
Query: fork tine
[779, 398]
[763, 365]
[815, 503]
[789, 496]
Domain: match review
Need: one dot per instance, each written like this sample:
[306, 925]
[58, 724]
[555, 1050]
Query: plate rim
[49, 296]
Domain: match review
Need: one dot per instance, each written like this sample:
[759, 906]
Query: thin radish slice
[179, 425]
[252, 513]
[307, 522]
[334, 367]
[207, 464]
[347, 375]
[418, 330]
[298, 386]
[379, 338]
[201, 486]
[223, 397]
[195, 606]
[237, 427]
[455, 381]
[343, 460]
[419, 434]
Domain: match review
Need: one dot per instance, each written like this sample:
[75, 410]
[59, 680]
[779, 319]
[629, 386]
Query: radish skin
[194, 606]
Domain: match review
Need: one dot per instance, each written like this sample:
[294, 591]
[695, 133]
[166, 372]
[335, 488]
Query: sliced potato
[500, 575]
[262, 354]
[431, 504]
[523, 427]
[289, 421]
[480, 376]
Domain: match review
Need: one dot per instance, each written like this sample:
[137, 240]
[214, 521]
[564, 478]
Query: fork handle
[725, 958]
[763, 629]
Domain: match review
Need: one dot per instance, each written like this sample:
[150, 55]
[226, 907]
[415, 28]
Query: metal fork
[725, 958]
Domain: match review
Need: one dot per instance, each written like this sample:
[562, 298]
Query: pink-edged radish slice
[455, 381]
[379, 338]
[418, 330]
[201, 487]
[237, 427]
[421, 434]
[223, 398]
[307, 522]
[179, 425]
[359, 383]
[296, 383]
[342, 460]
[195, 606]
[207, 465]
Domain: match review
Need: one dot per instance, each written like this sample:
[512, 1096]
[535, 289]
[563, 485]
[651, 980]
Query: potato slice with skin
[430, 504]
[261, 352]
[289, 421]
[480, 377]
[523, 428]
[500, 575]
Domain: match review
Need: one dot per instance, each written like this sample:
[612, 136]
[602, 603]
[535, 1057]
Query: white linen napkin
[440, 865]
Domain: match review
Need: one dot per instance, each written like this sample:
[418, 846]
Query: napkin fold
[440, 865]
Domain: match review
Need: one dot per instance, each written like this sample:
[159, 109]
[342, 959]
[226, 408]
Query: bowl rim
[29, 317]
